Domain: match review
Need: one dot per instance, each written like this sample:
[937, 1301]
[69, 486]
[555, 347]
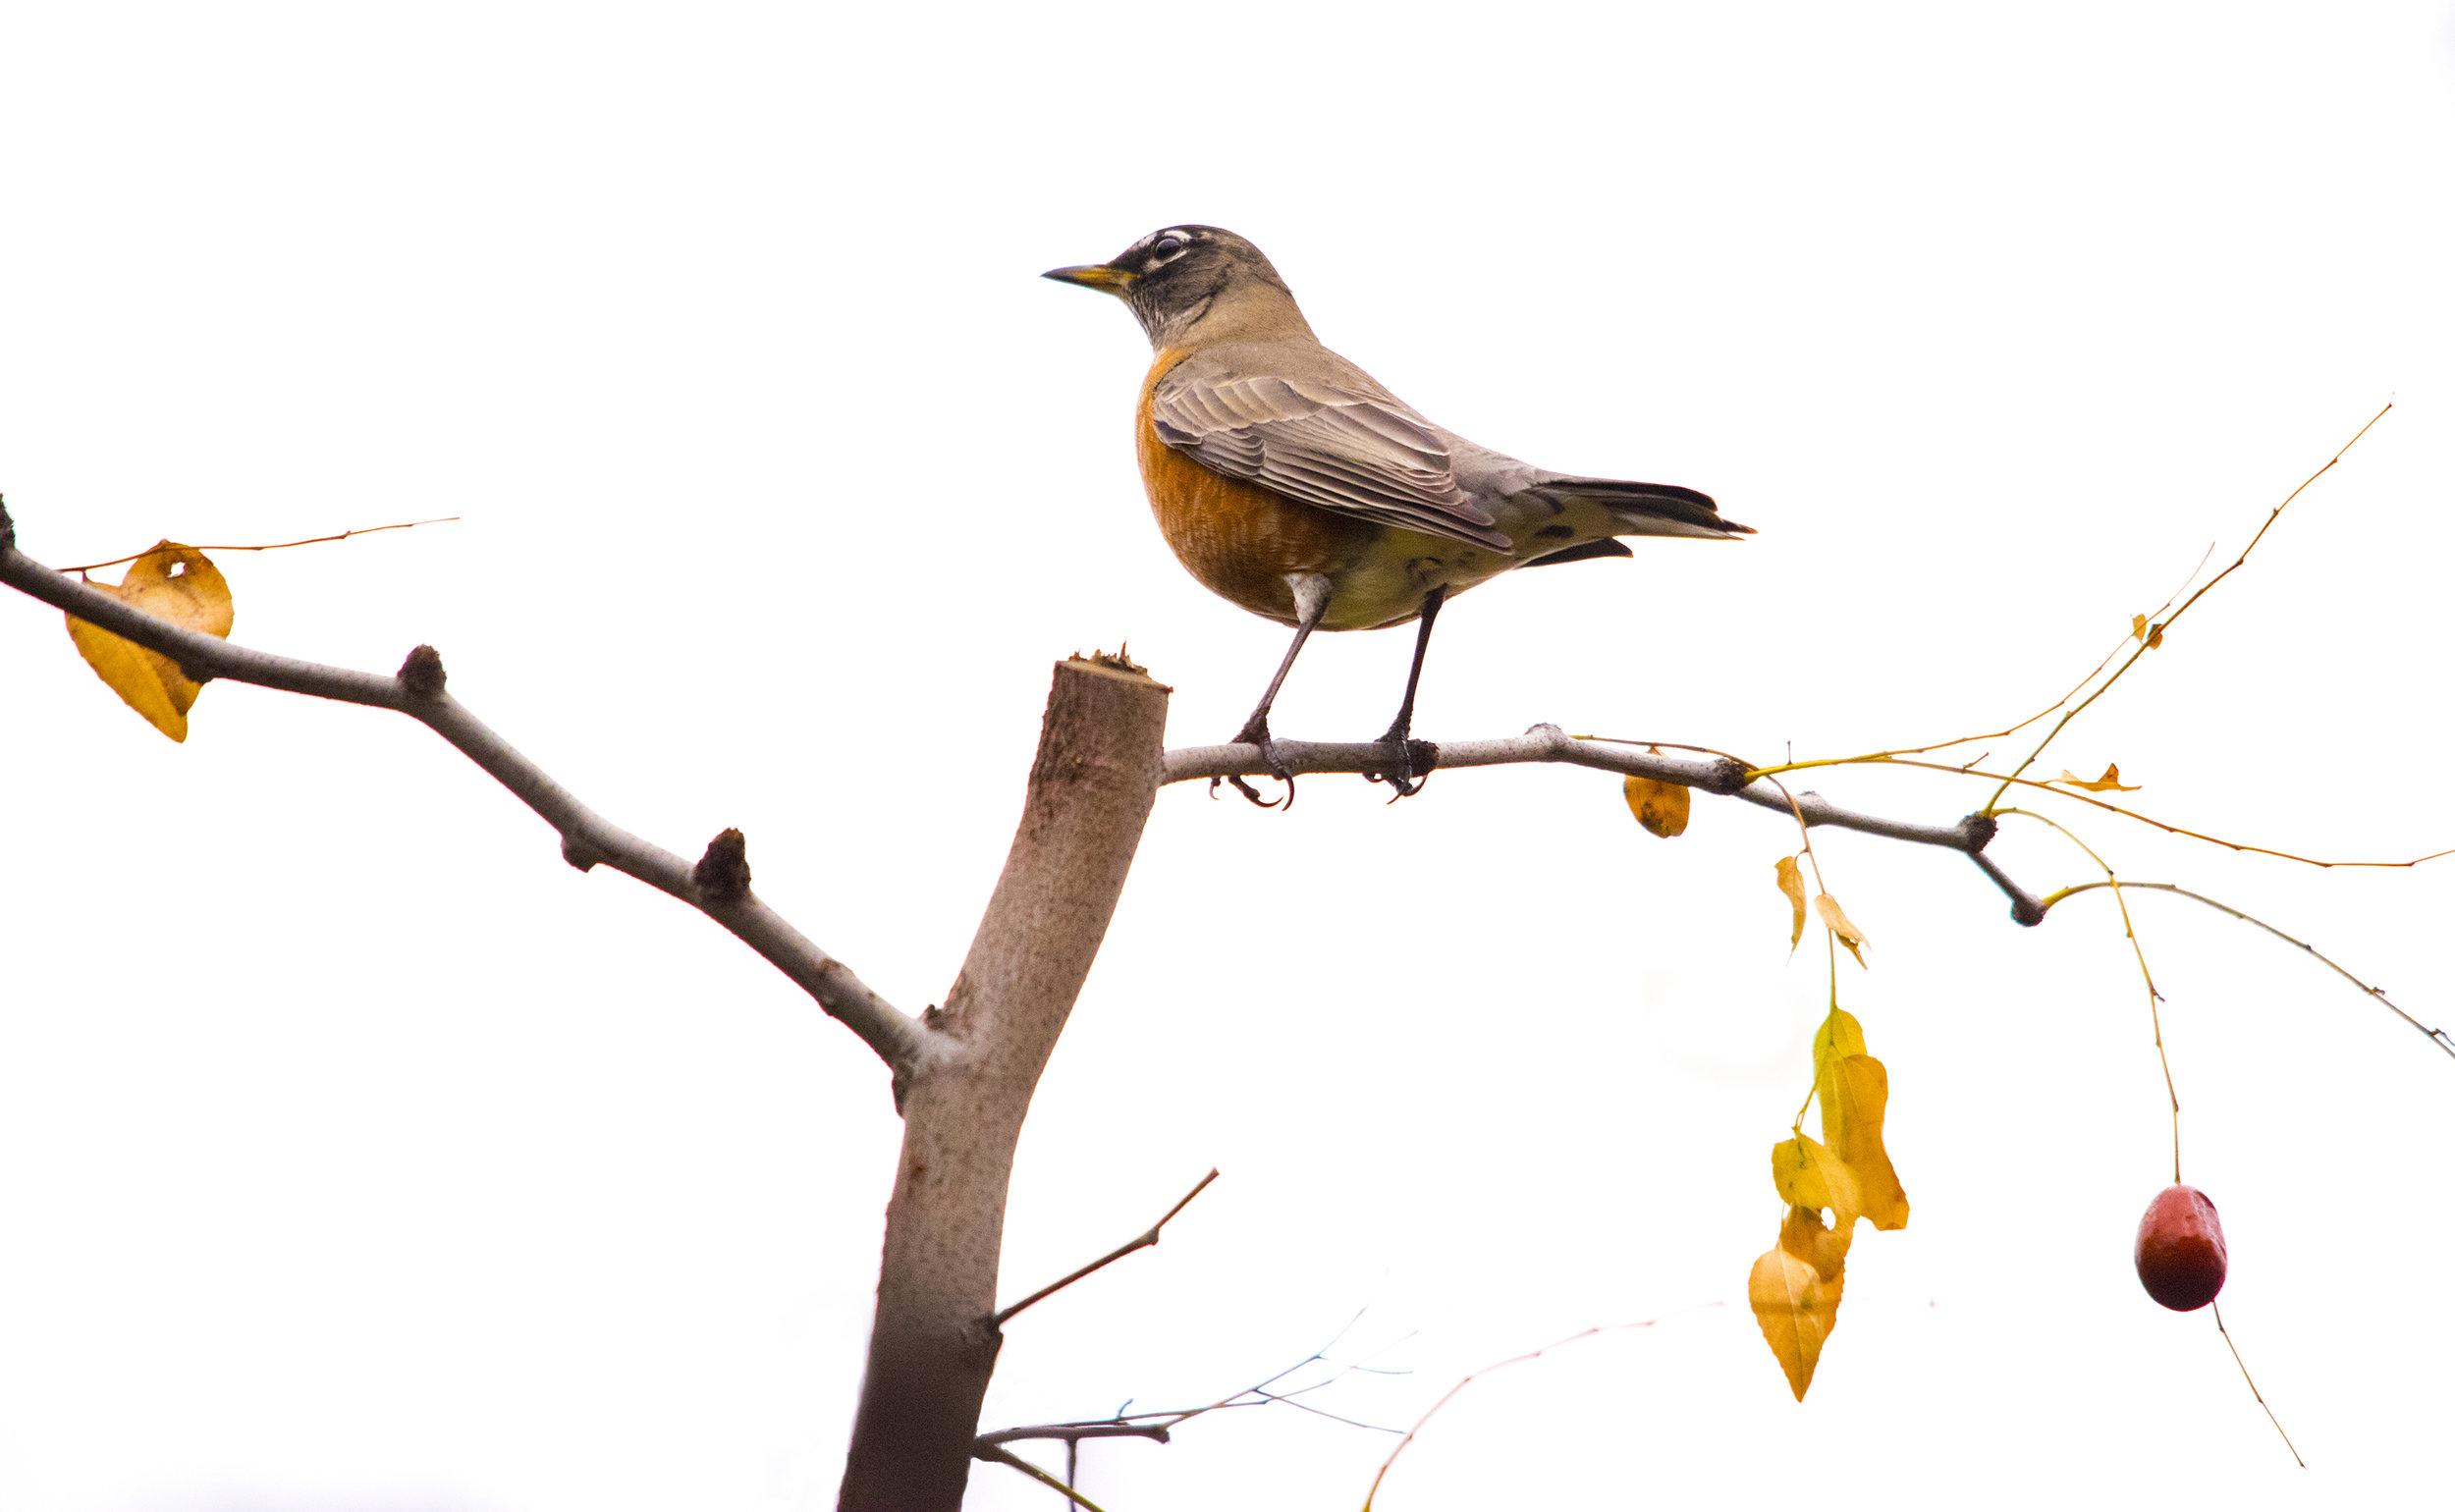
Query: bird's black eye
[1166, 246]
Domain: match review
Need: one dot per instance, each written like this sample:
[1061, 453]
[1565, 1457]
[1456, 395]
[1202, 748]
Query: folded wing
[1330, 445]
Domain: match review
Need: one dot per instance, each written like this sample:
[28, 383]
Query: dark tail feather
[1609, 545]
[1640, 502]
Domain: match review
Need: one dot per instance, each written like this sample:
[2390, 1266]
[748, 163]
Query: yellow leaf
[1661, 807]
[2139, 628]
[1809, 1178]
[1794, 1303]
[2111, 782]
[1851, 1090]
[172, 582]
[1829, 909]
[1786, 878]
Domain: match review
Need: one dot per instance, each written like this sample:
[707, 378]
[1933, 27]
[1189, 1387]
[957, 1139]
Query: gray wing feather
[1334, 447]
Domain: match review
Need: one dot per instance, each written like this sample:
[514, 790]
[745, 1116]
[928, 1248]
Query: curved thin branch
[1471, 1377]
[588, 839]
[1721, 776]
[2438, 1036]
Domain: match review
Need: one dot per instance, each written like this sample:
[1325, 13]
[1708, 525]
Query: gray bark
[935, 1340]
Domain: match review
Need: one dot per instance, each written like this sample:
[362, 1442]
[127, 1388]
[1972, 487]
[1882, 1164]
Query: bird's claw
[1259, 736]
[1410, 767]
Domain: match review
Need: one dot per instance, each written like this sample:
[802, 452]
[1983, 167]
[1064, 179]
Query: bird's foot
[1257, 733]
[1410, 764]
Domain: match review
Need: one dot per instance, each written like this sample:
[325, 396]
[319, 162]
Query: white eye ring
[1167, 247]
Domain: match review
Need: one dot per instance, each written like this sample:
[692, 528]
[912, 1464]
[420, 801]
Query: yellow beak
[1106, 279]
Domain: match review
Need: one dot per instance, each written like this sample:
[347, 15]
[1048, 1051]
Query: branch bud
[724, 871]
[421, 672]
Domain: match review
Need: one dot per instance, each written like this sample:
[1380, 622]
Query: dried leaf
[172, 582]
[1794, 888]
[1661, 807]
[2156, 636]
[1851, 1091]
[2139, 628]
[1811, 1178]
[1829, 909]
[2111, 782]
[1795, 1303]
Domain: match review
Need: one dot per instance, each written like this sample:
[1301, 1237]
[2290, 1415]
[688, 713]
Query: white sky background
[357, 1155]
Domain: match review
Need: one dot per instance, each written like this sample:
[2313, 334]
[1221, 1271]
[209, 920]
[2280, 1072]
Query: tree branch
[1721, 776]
[588, 839]
[1074, 1432]
[1141, 1241]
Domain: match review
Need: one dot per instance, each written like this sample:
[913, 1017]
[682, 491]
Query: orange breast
[1238, 539]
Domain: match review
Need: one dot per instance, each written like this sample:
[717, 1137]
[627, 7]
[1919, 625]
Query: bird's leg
[1408, 757]
[1312, 601]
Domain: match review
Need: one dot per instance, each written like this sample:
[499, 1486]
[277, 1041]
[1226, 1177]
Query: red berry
[2181, 1249]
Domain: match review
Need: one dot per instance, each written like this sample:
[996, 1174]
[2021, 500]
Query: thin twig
[995, 1455]
[1141, 1241]
[2437, 1037]
[2156, 636]
[1155, 1426]
[313, 540]
[2139, 954]
[1471, 1377]
[2226, 1335]
[2131, 814]
[2157, 614]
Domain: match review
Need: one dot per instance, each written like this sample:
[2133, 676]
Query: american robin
[1292, 485]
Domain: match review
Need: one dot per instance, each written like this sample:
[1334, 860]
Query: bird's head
[1183, 276]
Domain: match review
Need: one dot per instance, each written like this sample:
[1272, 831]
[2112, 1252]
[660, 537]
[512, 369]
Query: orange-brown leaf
[1852, 1089]
[1794, 888]
[2111, 782]
[1661, 807]
[1795, 1303]
[1829, 909]
[172, 582]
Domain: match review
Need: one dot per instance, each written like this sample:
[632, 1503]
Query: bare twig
[1141, 1241]
[2226, 1335]
[1155, 1426]
[2012, 730]
[313, 540]
[2063, 791]
[2147, 978]
[588, 839]
[994, 1455]
[1471, 1377]
[2156, 634]
[2437, 1037]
